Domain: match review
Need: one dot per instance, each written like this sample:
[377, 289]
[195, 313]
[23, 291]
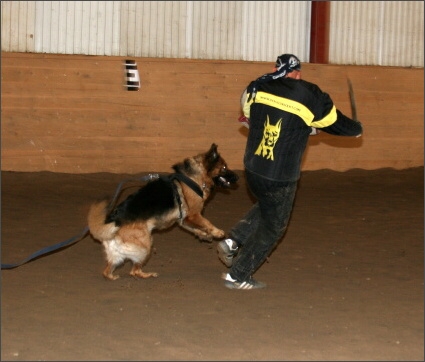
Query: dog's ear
[211, 157]
[212, 154]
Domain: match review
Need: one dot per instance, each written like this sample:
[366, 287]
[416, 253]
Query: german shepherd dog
[126, 230]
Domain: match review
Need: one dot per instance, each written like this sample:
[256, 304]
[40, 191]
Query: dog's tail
[96, 222]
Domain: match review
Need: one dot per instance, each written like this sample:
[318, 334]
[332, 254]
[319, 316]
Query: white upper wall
[389, 33]
[361, 32]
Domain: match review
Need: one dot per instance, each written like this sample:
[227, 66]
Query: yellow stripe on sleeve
[326, 121]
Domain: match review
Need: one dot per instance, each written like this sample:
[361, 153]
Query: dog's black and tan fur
[126, 231]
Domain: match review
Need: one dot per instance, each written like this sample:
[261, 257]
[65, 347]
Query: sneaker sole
[243, 286]
[222, 255]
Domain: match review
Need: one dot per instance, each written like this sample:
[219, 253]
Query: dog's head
[217, 168]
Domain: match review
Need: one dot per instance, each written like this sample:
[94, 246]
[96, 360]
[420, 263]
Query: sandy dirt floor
[345, 283]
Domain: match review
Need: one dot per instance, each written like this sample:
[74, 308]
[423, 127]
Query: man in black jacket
[281, 111]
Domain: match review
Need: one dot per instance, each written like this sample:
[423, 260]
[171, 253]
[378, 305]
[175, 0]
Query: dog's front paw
[205, 237]
[202, 235]
[218, 234]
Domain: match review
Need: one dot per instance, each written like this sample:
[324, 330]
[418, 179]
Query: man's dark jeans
[259, 231]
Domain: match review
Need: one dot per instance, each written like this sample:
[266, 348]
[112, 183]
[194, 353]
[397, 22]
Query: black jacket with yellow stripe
[280, 119]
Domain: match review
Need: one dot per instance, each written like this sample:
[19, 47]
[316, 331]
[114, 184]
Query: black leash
[78, 237]
[48, 249]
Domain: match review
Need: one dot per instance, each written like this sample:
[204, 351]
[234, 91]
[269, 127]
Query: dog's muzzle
[226, 179]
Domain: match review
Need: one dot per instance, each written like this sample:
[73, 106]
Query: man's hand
[314, 131]
[244, 121]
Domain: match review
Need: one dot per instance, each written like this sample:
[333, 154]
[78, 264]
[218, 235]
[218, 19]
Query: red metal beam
[319, 33]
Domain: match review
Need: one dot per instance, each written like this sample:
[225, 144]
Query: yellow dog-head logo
[270, 137]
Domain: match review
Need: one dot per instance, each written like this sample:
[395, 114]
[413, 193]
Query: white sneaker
[227, 249]
[251, 283]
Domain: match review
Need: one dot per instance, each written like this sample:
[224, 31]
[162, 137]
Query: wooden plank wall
[72, 114]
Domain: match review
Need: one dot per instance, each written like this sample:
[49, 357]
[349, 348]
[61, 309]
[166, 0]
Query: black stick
[352, 100]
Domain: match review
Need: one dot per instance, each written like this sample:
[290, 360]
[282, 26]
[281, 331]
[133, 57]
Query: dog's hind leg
[137, 243]
[113, 258]
[108, 273]
[137, 272]
[139, 258]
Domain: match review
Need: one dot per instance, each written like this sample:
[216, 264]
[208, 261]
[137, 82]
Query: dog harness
[188, 181]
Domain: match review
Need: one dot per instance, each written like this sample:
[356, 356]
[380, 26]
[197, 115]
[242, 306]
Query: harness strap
[188, 181]
[175, 193]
